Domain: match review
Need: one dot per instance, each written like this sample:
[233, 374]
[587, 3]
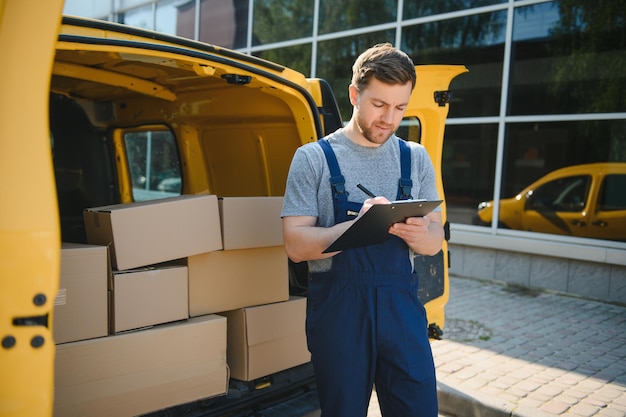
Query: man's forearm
[305, 242]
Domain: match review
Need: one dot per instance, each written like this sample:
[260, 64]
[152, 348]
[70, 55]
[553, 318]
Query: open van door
[29, 229]
[424, 122]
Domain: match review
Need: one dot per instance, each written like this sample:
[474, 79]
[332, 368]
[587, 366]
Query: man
[365, 325]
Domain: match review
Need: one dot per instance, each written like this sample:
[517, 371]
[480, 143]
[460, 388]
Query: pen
[366, 191]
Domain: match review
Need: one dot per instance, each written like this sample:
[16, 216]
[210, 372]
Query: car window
[564, 194]
[154, 164]
[612, 195]
[410, 129]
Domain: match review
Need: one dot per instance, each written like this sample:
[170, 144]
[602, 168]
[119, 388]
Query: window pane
[129, 3]
[154, 164]
[223, 23]
[166, 17]
[467, 167]
[563, 194]
[613, 194]
[335, 58]
[140, 17]
[420, 8]
[534, 155]
[568, 58]
[186, 20]
[535, 149]
[338, 15]
[281, 20]
[474, 41]
[93, 9]
[410, 129]
[295, 57]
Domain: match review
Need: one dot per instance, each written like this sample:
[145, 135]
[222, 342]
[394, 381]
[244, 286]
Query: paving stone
[530, 354]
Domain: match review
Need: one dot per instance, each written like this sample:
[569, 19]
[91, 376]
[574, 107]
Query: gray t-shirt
[308, 191]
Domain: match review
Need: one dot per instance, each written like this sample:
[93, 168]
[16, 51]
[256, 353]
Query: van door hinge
[442, 97]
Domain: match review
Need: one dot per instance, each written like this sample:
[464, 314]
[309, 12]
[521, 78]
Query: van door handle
[578, 223]
[600, 223]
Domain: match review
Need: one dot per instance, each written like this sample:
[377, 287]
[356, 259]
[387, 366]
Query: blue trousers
[366, 329]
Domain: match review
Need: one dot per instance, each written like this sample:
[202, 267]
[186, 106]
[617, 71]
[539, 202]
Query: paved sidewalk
[514, 352]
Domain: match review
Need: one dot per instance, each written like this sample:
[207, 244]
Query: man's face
[379, 108]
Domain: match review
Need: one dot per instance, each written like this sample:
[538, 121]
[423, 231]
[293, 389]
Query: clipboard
[371, 228]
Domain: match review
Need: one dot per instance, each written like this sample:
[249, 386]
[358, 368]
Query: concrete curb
[464, 403]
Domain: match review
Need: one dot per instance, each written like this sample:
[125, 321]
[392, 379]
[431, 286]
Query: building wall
[593, 280]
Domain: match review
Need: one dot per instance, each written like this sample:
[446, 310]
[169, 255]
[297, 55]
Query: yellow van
[96, 114]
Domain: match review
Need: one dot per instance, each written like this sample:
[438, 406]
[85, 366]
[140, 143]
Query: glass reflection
[166, 17]
[222, 23]
[335, 58]
[420, 8]
[467, 168]
[338, 15]
[568, 57]
[281, 20]
[474, 41]
[185, 19]
[295, 57]
[140, 17]
[563, 178]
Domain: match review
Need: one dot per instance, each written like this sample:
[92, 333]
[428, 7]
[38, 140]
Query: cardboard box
[148, 297]
[231, 279]
[150, 232]
[143, 371]
[266, 339]
[80, 307]
[251, 222]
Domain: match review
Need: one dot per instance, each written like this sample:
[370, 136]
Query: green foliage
[591, 38]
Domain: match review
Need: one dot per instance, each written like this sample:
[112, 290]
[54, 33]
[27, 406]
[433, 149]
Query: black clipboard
[371, 228]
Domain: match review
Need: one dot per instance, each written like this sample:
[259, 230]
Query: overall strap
[405, 183]
[337, 181]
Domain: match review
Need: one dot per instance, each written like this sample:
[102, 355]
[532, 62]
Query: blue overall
[365, 325]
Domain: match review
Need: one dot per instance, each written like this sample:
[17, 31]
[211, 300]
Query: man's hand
[370, 202]
[423, 234]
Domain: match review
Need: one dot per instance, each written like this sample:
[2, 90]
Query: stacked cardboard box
[252, 269]
[139, 372]
[144, 235]
[181, 261]
[148, 296]
[80, 308]
[151, 232]
[151, 355]
[266, 339]
[248, 282]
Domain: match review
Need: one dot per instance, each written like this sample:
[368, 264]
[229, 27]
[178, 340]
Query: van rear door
[425, 120]
[30, 247]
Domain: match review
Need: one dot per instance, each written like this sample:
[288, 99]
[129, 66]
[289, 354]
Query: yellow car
[581, 200]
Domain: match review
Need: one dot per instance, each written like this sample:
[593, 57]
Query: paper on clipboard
[371, 228]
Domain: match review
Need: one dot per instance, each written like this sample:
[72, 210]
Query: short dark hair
[385, 63]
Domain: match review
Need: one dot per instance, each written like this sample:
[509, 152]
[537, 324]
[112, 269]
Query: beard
[375, 133]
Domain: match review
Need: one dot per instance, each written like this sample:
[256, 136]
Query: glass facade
[476, 41]
[545, 88]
